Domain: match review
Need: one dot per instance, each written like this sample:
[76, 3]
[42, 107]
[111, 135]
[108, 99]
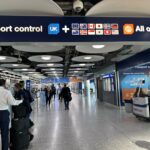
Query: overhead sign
[55, 80]
[73, 29]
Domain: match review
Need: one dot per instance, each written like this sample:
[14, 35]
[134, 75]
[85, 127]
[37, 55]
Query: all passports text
[142, 28]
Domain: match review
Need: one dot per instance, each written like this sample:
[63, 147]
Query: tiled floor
[88, 125]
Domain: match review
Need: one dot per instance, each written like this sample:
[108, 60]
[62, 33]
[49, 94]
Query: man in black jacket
[66, 94]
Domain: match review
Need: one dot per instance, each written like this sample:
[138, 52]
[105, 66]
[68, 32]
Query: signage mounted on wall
[73, 29]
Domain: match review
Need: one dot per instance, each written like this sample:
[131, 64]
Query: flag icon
[91, 26]
[114, 26]
[115, 32]
[107, 26]
[107, 32]
[75, 32]
[91, 32]
[75, 26]
[99, 32]
[83, 26]
[99, 26]
[83, 32]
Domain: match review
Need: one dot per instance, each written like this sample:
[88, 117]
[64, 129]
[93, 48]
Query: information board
[73, 29]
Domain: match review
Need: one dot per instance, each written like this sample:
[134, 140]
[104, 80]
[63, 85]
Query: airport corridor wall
[131, 72]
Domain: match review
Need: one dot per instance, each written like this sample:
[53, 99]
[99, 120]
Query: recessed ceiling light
[98, 46]
[50, 64]
[15, 65]
[88, 57]
[81, 64]
[2, 57]
[24, 69]
[46, 57]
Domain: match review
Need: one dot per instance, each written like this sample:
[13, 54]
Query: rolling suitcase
[20, 124]
[19, 140]
[19, 111]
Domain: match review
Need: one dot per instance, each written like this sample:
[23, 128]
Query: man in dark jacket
[66, 94]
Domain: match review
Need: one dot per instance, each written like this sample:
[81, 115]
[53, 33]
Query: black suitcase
[20, 124]
[19, 111]
[19, 140]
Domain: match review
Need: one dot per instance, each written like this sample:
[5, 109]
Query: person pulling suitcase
[20, 135]
[6, 100]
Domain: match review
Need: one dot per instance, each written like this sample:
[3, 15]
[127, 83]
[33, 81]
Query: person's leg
[65, 102]
[49, 100]
[46, 100]
[59, 96]
[4, 125]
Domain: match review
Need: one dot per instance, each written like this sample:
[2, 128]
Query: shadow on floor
[143, 144]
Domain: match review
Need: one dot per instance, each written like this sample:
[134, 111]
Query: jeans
[4, 127]
[66, 102]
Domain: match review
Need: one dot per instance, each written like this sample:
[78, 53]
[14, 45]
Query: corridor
[88, 125]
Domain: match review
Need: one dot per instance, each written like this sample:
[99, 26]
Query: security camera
[78, 5]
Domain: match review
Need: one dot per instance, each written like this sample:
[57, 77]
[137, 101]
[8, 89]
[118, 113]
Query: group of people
[22, 98]
[63, 93]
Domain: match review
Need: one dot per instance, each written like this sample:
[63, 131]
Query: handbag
[69, 97]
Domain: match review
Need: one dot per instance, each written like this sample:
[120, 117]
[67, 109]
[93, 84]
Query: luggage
[20, 124]
[69, 97]
[141, 107]
[19, 111]
[19, 140]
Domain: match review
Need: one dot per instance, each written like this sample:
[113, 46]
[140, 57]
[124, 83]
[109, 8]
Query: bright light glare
[50, 64]
[88, 57]
[46, 57]
[82, 64]
[2, 57]
[98, 46]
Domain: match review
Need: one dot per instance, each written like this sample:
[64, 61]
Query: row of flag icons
[84, 26]
[95, 32]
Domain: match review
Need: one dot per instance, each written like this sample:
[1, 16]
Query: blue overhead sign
[55, 80]
[73, 29]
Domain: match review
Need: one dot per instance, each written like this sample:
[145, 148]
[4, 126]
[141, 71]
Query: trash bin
[129, 106]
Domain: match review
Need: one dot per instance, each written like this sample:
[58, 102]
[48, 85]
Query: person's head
[143, 81]
[2, 82]
[65, 85]
[18, 87]
[22, 83]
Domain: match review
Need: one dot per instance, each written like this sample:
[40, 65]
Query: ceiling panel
[120, 8]
[49, 65]
[37, 48]
[88, 58]
[30, 8]
[45, 58]
[12, 66]
[104, 49]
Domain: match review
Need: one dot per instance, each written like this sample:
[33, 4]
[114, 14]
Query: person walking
[6, 100]
[66, 95]
[53, 91]
[59, 91]
[46, 95]
[50, 94]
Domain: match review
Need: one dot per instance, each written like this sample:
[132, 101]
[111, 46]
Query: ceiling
[67, 60]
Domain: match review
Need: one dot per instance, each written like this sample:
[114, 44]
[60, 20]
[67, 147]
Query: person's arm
[11, 100]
